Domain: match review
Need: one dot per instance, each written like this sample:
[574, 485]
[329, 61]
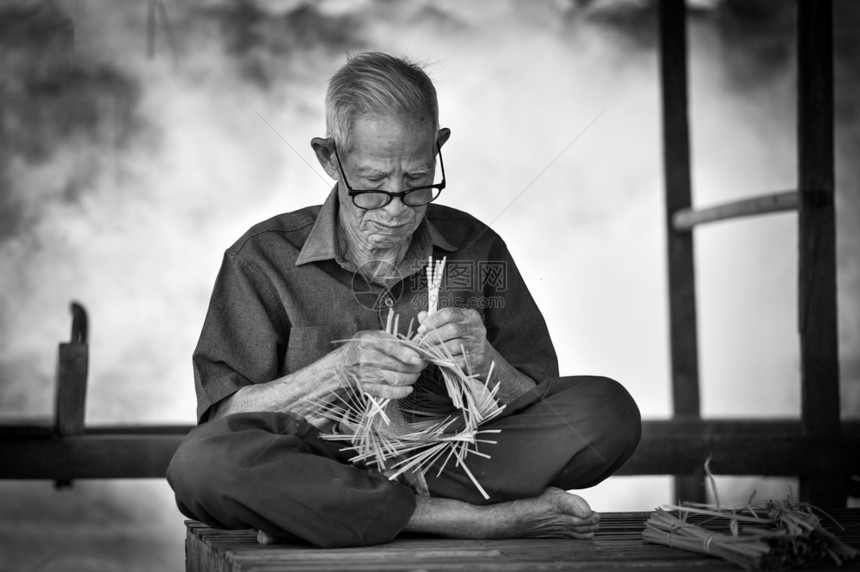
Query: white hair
[376, 83]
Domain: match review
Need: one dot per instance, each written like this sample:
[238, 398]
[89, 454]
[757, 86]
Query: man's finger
[404, 355]
[449, 333]
[390, 354]
[436, 319]
[385, 363]
[386, 391]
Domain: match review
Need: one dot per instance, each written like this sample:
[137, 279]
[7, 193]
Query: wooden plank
[683, 329]
[819, 353]
[617, 546]
[686, 219]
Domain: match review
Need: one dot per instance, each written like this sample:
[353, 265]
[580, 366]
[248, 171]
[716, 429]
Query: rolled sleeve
[243, 340]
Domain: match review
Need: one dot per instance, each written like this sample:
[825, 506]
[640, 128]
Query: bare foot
[553, 514]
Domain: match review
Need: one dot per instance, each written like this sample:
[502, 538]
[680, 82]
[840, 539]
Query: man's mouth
[388, 227]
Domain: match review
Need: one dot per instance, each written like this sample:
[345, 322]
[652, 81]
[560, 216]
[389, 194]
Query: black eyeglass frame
[391, 196]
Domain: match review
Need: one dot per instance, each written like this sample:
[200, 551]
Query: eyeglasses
[375, 199]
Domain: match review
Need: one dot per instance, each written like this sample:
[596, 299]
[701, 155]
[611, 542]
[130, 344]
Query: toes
[266, 538]
[263, 538]
[570, 503]
[579, 505]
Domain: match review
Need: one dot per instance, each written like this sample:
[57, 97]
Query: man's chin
[386, 241]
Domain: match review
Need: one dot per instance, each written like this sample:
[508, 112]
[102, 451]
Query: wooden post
[676, 163]
[72, 378]
[819, 343]
[72, 368]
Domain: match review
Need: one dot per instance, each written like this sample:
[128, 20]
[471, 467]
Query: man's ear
[443, 135]
[324, 150]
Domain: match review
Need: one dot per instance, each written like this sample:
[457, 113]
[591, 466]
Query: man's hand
[384, 367]
[459, 330]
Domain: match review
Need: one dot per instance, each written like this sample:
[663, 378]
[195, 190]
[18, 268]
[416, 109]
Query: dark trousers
[273, 472]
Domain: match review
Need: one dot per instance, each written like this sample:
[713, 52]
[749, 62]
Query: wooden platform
[618, 546]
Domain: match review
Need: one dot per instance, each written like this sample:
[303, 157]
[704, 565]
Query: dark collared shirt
[285, 296]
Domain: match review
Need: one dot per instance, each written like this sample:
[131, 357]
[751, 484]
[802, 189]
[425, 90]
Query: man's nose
[396, 206]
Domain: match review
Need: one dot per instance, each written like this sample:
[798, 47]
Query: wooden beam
[683, 326]
[685, 219]
[819, 352]
[771, 455]
[777, 447]
[135, 456]
[127, 456]
[737, 447]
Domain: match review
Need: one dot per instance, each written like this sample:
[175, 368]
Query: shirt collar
[322, 244]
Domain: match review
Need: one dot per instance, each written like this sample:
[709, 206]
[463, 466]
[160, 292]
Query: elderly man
[296, 283]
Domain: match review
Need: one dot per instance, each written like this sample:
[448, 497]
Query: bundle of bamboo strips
[771, 535]
[438, 422]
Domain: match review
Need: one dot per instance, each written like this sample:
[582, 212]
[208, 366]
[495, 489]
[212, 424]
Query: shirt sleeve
[244, 335]
[515, 326]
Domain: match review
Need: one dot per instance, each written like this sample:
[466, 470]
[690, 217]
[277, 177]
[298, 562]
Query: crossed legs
[272, 472]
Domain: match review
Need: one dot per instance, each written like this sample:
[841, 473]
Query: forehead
[392, 136]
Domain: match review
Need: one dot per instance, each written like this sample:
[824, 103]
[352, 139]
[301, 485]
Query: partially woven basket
[438, 422]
